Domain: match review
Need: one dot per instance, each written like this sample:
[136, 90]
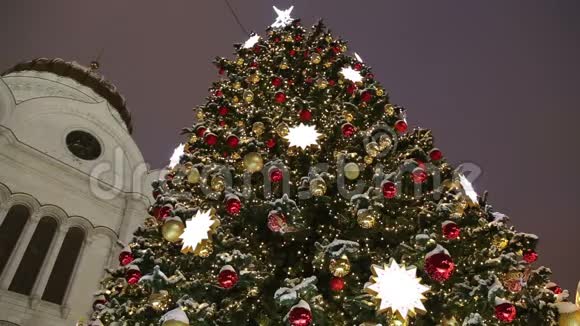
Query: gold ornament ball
[379, 92]
[385, 142]
[315, 58]
[258, 128]
[199, 115]
[321, 83]
[351, 170]
[254, 78]
[368, 159]
[372, 149]
[340, 267]
[253, 162]
[236, 85]
[282, 129]
[317, 187]
[172, 229]
[570, 319]
[500, 242]
[248, 96]
[253, 292]
[347, 116]
[204, 249]
[193, 176]
[366, 219]
[158, 300]
[235, 99]
[328, 64]
[284, 65]
[218, 183]
[240, 61]
[389, 109]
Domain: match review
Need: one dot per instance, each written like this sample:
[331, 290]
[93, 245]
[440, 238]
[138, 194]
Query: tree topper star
[283, 18]
[302, 136]
[197, 229]
[398, 289]
[251, 41]
[351, 74]
[176, 156]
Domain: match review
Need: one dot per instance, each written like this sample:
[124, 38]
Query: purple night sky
[495, 80]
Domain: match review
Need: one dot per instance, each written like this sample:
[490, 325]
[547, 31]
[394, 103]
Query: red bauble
[223, 110]
[280, 97]
[350, 88]
[357, 66]
[228, 277]
[389, 189]
[336, 284]
[233, 206]
[419, 175]
[219, 93]
[254, 64]
[505, 312]
[233, 141]
[435, 154]
[298, 38]
[305, 115]
[336, 49]
[556, 289]
[331, 82]
[125, 258]
[164, 212]
[276, 175]
[450, 230]
[439, 266]
[270, 143]
[300, 316]
[530, 256]
[133, 276]
[200, 131]
[366, 96]
[210, 138]
[221, 71]
[348, 130]
[401, 126]
[276, 221]
[277, 82]
[222, 123]
[292, 52]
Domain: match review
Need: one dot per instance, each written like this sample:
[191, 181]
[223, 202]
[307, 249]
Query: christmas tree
[301, 199]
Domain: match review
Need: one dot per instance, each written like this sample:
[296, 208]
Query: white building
[72, 185]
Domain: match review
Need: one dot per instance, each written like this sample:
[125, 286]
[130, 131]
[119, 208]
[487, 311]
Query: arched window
[33, 258]
[64, 266]
[10, 231]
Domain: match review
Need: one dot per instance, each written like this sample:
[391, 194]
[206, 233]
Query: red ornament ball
[435, 154]
[348, 130]
[336, 284]
[401, 126]
[125, 258]
[280, 97]
[276, 82]
[219, 93]
[164, 212]
[450, 230]
[233, 206]
[271, 143]
[439, 266]
[228, 277]
[276, 175]
[300, 316]
[305, 115]
[351, 88]
[530, 256]
[223, 110]
[276, 221]
[505, 312]
[133, 276]
[556, 289]
[419, 175]
[366, 96]
[358, 66]
[233, 141]
[292, 52]
[210, 138]
[389, 189]
[200, 131]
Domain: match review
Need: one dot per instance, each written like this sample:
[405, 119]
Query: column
[48, 264]
[4, 207]
[18, 252]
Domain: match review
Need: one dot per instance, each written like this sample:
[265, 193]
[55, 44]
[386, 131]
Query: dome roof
[83, 76]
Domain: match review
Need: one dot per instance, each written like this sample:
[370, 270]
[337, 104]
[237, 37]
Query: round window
[83, 145]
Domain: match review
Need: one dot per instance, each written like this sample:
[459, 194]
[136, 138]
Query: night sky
[497, 81]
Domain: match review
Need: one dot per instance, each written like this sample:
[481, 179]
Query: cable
[236, 17]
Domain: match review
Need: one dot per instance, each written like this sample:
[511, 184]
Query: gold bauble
[253, 162]
[366, 219]
[288, 38]
[500, 242]
[240, 61]
[372, 149]
[236, 85]
[321, 83]
[351, 171]
[347, 116]
[385, 142]
[204, 249]
[235, 99]
[315, 58]
[368, 159]
[193, 176]
[172, 228]
[218, 183]
[282, 129]
[379, 92]
[389, 109]
[253, 292]
[248, 96]
[254, 78]
[284, 65]
[258, 128]
[199, 115]
[570, 319]
[158, 300]
[317, 187]
[340, 267]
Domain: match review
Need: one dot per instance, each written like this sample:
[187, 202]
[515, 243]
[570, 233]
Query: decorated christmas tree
[300, 198]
